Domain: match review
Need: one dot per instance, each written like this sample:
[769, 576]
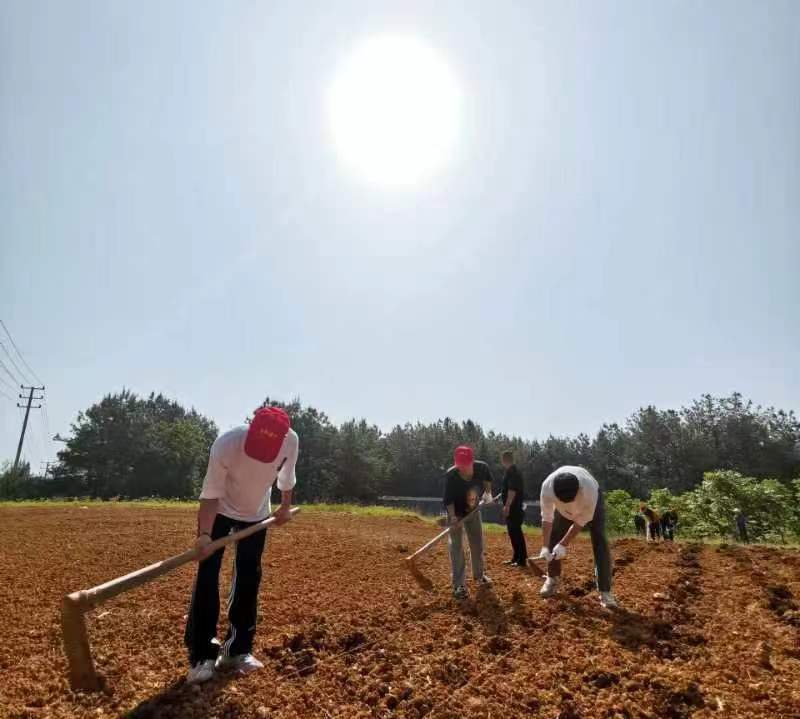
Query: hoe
[82, 675]
[421, 579]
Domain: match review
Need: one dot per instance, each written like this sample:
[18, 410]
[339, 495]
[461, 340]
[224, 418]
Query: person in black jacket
[513, 497]
[741, 525]
[669, 520]
[463, 485]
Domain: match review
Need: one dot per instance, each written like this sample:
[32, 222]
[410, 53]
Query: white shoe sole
[547, 593]
[201, 679]
[238, 668]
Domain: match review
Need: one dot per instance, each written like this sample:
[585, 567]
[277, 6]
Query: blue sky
[619, 224]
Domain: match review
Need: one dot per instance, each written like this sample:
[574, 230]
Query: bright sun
[394, 111]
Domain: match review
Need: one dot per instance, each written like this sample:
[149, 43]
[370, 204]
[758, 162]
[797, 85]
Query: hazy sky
[619, 223]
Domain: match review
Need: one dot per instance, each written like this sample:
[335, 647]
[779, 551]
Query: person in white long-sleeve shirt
[570, 500]
[244, 464]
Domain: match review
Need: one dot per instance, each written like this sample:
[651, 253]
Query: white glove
[487, 498]
[559, 551]
[546, 555]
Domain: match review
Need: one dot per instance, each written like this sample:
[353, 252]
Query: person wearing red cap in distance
[463, 484]
[244, 464]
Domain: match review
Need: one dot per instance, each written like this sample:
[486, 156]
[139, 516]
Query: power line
[37, 427]
[8, 372]
[48, 436]
[14, 364]
[33, 441]
[44, 433]
[19, 354]
[5, 383]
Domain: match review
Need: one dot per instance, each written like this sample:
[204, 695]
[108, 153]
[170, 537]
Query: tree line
[133, 447]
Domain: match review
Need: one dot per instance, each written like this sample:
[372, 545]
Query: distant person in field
[244, 464]
[640, 523]
[463, 485]
[513, 496]
[571, 499]
[669, 521]
[653, 522]
[741, 526]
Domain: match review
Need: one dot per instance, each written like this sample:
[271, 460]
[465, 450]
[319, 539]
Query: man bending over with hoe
[570, 500]
[462, 486]
[244, 464]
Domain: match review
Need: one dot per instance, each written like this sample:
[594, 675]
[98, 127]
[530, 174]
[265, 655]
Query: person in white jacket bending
[571, 499]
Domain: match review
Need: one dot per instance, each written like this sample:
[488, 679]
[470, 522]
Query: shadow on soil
[181, 694]
[487, 609]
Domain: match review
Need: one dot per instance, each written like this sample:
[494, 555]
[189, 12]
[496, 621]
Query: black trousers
[201, 625]
[514, 527]
[655, 530]
[743, 536]
[602, 554]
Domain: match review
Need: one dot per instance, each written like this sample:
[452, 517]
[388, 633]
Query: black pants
[655, 530]
[201, 626]
[602, 554]
[743, 536]
[514, 527]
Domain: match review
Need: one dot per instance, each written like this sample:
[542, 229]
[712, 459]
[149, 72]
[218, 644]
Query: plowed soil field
[345, 632]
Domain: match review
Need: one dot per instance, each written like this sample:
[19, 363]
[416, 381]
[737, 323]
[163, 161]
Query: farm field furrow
[705, 631]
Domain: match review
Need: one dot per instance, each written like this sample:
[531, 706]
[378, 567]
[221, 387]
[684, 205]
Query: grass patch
[358, 510]
[149, 503]
[364, 510]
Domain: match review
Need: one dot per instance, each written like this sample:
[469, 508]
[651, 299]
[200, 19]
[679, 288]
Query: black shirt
[512, 479]
[456, 487]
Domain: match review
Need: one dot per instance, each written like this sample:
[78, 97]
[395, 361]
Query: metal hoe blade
[420, 578]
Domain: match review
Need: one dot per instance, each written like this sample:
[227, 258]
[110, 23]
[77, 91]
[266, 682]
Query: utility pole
[29, 399]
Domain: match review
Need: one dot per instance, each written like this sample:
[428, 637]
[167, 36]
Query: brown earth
[344, 631]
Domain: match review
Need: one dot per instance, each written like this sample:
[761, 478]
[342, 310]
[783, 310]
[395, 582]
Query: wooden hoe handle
[88, 598]
[425, 548]
[82, 674]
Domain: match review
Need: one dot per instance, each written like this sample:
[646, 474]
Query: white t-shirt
[242, 484]
[581, 509]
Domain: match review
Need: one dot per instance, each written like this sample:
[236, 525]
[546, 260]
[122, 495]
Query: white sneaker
[550, 586]
[608, 601]
[460, 593]
[240, 663]
[485, 579]
[200, 672]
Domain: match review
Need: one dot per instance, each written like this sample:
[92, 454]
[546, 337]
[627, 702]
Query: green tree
[621, 508]
[13, 484]
[132, 447]
[710, 508]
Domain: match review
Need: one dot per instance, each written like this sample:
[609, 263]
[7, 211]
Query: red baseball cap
[266, 433]
[463, 456]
